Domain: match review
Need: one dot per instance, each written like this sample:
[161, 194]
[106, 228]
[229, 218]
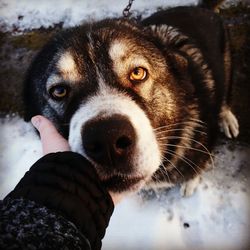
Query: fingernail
[36, 121]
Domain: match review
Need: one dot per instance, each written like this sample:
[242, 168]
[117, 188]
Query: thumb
[51, 140]
[116, 197]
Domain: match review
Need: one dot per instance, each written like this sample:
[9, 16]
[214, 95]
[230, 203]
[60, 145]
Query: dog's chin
[123, 183]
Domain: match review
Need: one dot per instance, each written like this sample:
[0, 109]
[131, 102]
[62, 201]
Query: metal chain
[126, 12]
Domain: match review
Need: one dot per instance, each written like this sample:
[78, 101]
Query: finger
[51, 140]
[116, 197]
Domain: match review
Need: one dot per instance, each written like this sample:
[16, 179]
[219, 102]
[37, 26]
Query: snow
[215, 217]
[217, 214]
[23, 15]
[22, 150]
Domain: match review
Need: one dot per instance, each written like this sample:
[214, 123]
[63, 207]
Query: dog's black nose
[109, 141]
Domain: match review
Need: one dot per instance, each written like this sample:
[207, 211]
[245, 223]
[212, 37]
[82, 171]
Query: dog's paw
[190, 186]
[229, 123]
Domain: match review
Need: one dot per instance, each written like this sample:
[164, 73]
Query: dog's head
[107, 87]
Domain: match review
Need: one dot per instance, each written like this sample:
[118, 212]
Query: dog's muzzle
[110, 142]
[116, 136]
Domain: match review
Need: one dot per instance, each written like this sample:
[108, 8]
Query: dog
[142, 101]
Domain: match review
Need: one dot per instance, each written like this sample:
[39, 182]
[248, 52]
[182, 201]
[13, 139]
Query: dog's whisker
[161, 169]
[185, 137]
[197, 120]
[199, 143]
[164, 172]
[179, 123]
[164, 158]
[156, 178]
[190, 123]
[179, 129]
[212, 155]
[191, 148]
[186, 160]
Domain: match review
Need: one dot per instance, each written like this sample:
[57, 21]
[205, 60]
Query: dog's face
[108, 87]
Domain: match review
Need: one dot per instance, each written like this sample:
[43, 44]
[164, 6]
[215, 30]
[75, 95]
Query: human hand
[53, 142]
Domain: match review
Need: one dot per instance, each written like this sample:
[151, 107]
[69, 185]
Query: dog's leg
[228, 122]
[189, 187]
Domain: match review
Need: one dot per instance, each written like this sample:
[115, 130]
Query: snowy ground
[23, 15]
[217, 216]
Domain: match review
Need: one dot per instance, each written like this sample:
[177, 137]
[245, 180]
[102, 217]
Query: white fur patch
[108, 102]
[66, 62]
[117, 50]
[124, 59]
[229, 123]
[67, 66]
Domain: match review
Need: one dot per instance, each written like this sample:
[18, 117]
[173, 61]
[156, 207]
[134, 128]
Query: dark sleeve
[27, 225]
[68, 187]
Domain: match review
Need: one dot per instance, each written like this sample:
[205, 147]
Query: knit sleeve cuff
[67, 183]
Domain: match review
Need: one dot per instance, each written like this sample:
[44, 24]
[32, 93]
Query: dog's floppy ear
[30, 94]
[35, 79]
[170, 41]
[173, 45]
[29, 109]
[179, 62]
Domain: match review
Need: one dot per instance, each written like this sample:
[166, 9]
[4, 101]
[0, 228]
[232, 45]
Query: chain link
[126, 12]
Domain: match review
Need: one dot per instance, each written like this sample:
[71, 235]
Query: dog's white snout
[115, 135]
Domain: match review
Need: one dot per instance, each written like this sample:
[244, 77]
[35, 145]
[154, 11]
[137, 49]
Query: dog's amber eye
[58, 92]
[138, 74]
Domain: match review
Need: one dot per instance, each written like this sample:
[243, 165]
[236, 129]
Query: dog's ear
[35, 78]
[29, 95]
[178, 62]
[167, 35]
[173, 45]
[29, 104]
[32, 92]
[170, 41]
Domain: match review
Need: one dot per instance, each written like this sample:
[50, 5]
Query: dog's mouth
[121, 183]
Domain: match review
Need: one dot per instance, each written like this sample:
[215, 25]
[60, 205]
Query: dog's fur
[169, 119]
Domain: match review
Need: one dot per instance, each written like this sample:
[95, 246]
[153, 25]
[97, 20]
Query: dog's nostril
[123, 142]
